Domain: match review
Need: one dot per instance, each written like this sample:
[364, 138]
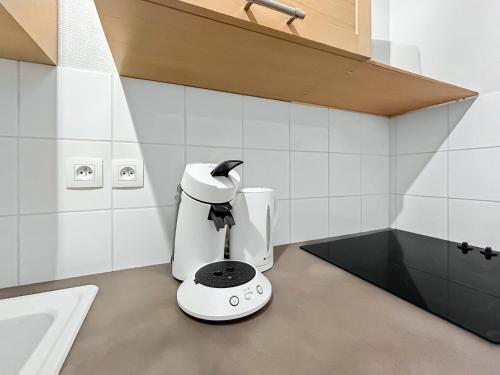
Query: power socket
[83, 173]
[127, 173]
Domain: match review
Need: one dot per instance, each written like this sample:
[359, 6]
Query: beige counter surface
[321, 320]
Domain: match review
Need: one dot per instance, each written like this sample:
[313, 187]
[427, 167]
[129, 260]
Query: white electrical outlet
[83, 173]
[127, 173]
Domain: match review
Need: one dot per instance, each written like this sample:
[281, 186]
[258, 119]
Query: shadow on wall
[41, 177]
[63, 232]
[420, 168]
[141, 131]
[150, 124]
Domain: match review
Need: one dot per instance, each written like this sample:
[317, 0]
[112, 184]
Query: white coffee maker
[213, 288]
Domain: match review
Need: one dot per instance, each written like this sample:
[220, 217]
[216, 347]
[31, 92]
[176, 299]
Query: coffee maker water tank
[251, 239]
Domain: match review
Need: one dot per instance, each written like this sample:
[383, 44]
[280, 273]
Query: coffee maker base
[224, 290]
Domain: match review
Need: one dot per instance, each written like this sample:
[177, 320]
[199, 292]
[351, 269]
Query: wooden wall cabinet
[28, 30]
[338, 26]
[179, 42]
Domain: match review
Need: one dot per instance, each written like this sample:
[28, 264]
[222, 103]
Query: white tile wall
[142, 237]
[393, 213]
[84, 99]
[475, 123]
[202, 154]
[308, 128]
[8, 176]
[268, 168]
[42, 175]
[375, 214]
[393, 176]
[8, 251]
[214, 118]
[38, 100]
[309, 174]
[147, 111]
[281, 231]
[345, 215]
[38, 175]
[345, 174]
[452, 193]
[309, 219]
[422, 131]
[345, 131]
[422, 174]
[308, 154]
[163, 167]
[476, 222]
[374, 135]
[374, 174]
[423, 215]
[269, 117]
[56, 246]
[393, 135]
[475, 174]
[8, 97]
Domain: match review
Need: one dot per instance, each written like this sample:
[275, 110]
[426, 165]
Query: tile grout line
[449, 150]
[18, 177]
[395, 201]
[360, 135]
[360, 229]
[448, 173]
[450, 198]
[172, 205]
[112, 117]
[242, 137]
[289, 173]
[178, 189]
[391, 175]
[391, 172]
[394, 180]
[185, 143]
[328, 171]
[109, 209]
[210, 146]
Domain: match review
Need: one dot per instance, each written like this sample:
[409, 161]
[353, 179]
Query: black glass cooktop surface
[460, 284]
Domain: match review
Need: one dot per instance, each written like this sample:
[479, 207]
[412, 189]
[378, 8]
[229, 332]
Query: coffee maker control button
[234, 301]
[259, 289]
[248, 296]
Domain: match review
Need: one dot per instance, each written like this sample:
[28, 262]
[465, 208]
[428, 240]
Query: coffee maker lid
[210, 182]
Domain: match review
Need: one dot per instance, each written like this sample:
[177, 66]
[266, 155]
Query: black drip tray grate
[224, 274]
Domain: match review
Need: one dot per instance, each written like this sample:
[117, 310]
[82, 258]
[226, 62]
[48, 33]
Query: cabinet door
[339, 26]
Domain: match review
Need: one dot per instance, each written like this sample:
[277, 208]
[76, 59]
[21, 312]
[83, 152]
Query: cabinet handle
[294, 13]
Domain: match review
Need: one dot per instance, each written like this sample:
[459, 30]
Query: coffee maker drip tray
[224, 274]
[224, 290]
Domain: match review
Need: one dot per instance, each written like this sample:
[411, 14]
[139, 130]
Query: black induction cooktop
[458, 283]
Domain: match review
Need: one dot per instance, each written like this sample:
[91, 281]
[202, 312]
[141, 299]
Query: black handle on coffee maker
[225, 167]
[221, 215]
